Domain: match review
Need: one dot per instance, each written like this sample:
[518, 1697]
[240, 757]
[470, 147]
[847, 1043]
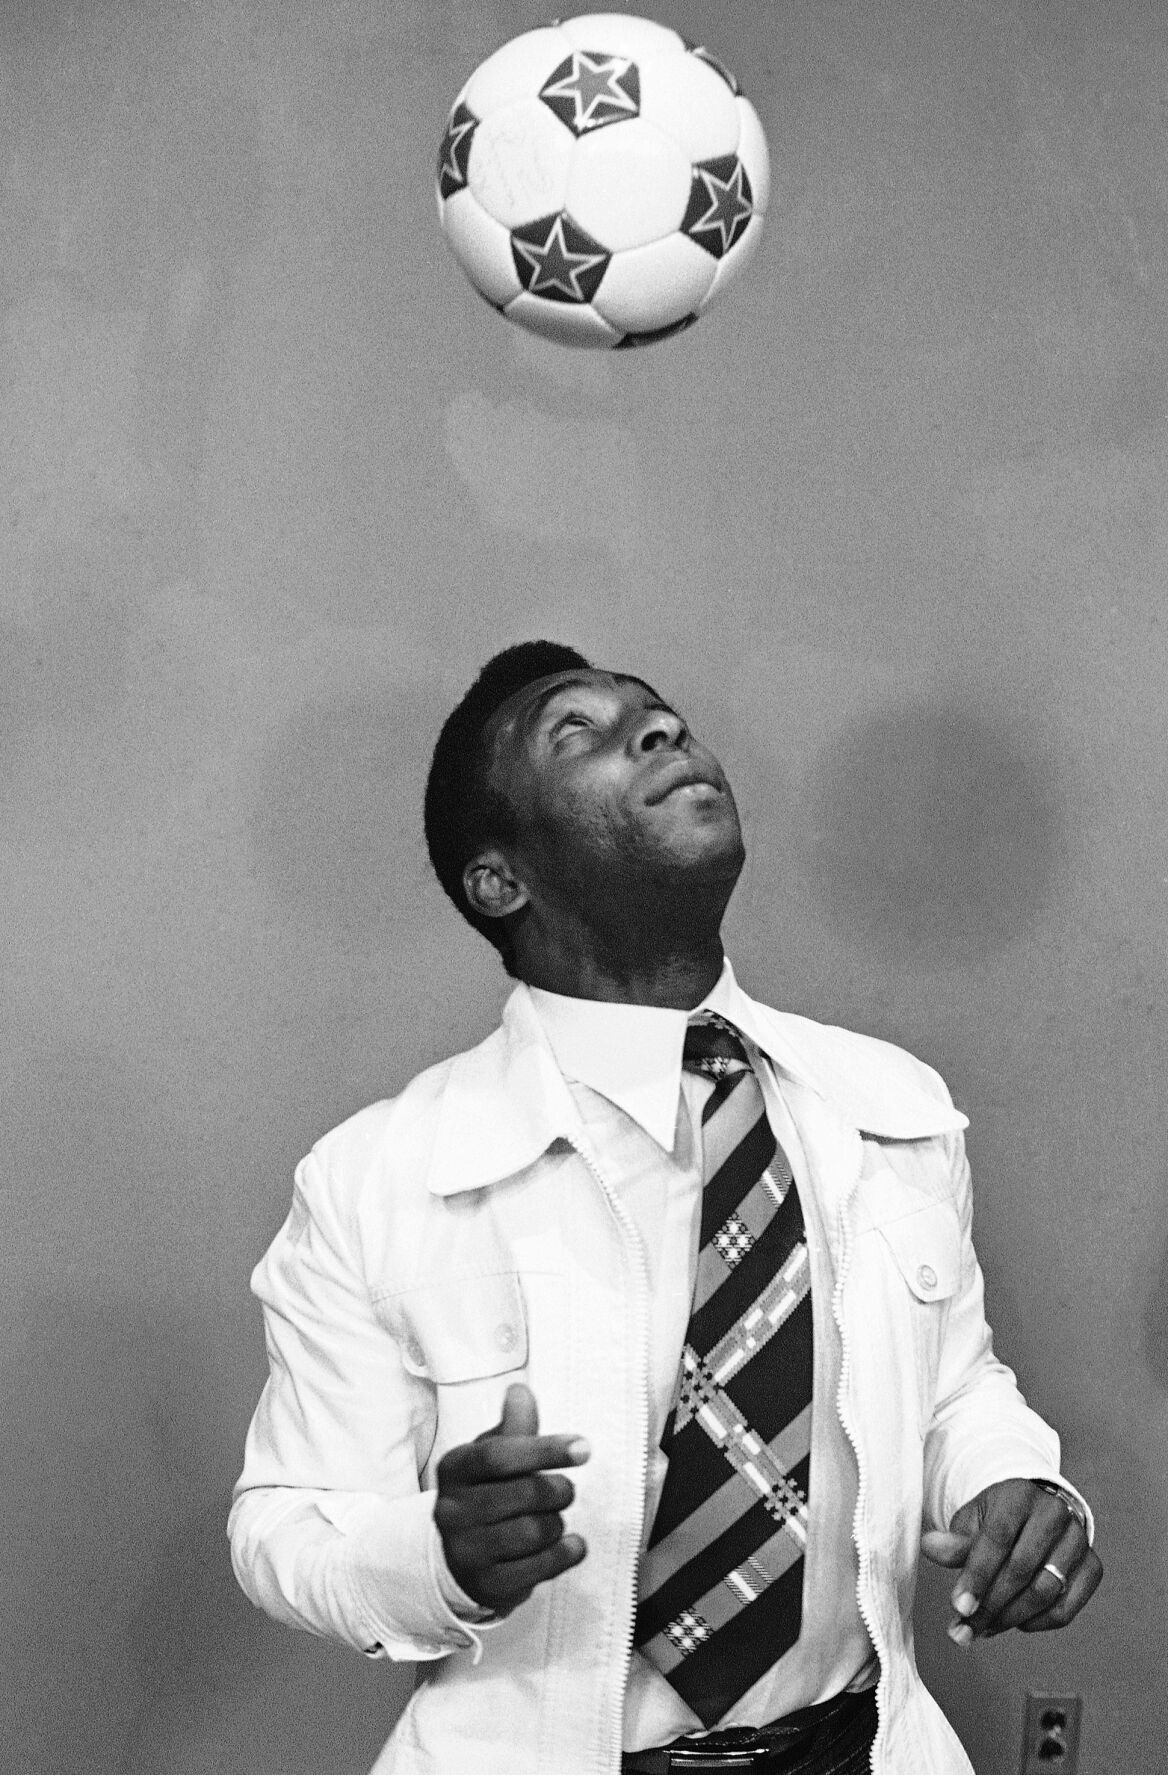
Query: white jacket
[462, 1236]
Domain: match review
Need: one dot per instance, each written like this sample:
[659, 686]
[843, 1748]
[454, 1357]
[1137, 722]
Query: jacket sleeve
[982, 1429]
[329, 1529]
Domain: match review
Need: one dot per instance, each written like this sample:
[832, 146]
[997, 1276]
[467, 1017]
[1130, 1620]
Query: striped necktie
[721, 1582]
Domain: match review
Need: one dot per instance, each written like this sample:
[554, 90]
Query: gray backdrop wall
[890, 523]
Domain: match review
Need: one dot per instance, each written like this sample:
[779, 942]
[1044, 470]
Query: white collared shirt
[623, 1066]
[400, 1304]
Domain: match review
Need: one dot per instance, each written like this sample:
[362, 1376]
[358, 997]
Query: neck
[676, 985]
[672, 970]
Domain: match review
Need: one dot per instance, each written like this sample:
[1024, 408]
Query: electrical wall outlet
[1050, 1738]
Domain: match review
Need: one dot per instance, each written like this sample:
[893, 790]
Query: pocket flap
[463, 1328]
[927, 1249]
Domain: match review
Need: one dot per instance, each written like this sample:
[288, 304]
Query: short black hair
[463, 808]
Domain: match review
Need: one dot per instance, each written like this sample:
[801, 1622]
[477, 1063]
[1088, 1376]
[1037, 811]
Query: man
[617, 1364]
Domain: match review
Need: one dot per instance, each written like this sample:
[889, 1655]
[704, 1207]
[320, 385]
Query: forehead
[519, 717]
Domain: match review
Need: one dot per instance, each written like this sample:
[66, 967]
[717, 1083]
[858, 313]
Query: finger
[534, 1494]
[1047, 1587]
[507, 1457]
[1047, 1527]
[945, 1548]
[966, 1521]
[511, 1581]
[482, 1547]
[520, 1412]
[1081, 1587]
[1007, 1512]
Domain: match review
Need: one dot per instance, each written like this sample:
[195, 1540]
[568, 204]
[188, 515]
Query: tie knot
[713, 1047]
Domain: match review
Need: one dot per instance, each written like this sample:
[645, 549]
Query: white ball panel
[618, 33]
[564, 323]
[752, 152]
[655, 285]
[482, 247]
[628, 184]
[692, 104]
[519, 162]
[516, 71]
[740, 254]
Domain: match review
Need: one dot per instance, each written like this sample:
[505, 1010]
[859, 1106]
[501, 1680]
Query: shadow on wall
[106, 1444]
[1156, 1319]
[336, 820]
[961, 1684]
[229, 1692]
[128, 1647]
[982, 1691]
[937, 838]
[69, 662]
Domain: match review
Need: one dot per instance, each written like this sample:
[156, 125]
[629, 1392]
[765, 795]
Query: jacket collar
[503, 1105]
[505, 1102]
[632, 1054]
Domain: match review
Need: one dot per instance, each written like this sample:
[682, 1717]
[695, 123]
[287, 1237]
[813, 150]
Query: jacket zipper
[621, 1216]
[862, 1488]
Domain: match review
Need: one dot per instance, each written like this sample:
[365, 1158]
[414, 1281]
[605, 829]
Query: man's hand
[1006, 1540]
[498, 1507]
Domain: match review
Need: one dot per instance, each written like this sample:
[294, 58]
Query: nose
[659, 729]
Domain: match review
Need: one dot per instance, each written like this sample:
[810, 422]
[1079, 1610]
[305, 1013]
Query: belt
[740, 1748]
[665, 1762]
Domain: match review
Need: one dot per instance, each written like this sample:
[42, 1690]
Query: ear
[491, 887]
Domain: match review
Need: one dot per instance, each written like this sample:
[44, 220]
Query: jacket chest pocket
[925, 1248]
[467, 1337]
[461, 1329]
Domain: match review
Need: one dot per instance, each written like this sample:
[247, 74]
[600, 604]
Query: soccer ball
[602, 180]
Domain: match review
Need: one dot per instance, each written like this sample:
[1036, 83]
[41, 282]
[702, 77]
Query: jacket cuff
[1014, 1470]
[464, 1607]
[1076, 1502]
[389, 1567]
[1025, 1449]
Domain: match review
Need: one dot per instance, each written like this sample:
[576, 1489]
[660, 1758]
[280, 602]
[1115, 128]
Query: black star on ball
[454, 154]
[588, 90]
[721, 204]
[555, 258]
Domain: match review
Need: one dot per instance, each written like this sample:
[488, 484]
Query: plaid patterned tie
[721, 1584]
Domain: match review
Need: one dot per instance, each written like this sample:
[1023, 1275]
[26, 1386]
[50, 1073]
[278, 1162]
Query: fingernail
[965, 1603]
[960, 1634]
[578, 1449]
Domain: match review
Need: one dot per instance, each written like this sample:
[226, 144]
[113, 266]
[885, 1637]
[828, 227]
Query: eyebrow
[540, 702]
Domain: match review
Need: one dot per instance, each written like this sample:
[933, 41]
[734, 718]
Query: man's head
[564, 799]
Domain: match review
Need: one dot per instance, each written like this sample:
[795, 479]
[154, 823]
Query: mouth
[684, 775]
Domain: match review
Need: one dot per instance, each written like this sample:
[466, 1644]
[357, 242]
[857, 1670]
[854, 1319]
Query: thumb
[520, 1412]
[945, 1548]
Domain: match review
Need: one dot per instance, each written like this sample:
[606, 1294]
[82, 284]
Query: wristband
[1068, 1498]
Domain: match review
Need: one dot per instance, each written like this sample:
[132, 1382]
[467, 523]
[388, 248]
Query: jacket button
[927, 1276]
[505, 1338]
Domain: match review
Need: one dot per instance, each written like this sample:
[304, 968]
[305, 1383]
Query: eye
[572, 721]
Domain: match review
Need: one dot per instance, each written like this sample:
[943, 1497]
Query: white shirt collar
[631, 1054]
[505, 1101]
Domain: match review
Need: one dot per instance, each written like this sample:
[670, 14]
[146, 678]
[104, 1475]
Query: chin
[718, 831]
[714, 855]
[731, 862]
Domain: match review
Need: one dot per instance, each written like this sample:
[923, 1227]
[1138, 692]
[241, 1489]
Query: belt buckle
[720, 1762]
